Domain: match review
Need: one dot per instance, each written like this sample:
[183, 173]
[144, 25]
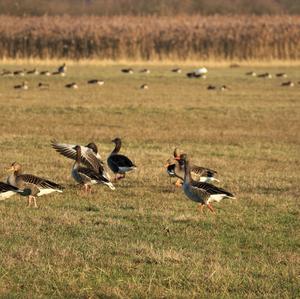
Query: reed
[151, 38]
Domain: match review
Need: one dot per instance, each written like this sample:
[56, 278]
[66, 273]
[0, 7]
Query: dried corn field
[151, 38]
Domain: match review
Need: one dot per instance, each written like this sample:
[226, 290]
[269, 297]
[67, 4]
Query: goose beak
[177, 158]
[9, 169]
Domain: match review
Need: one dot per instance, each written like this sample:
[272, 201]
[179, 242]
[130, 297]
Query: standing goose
[88, 176]
[203, 193]
[119, 164]
[199, 173]
[35, 186]
[68, 150]
[23, 86]
[62, 68]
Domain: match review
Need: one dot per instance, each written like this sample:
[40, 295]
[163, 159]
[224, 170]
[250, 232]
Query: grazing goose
[31, 185]
[72, 85]
[288, 84]
[7, 191]
[119, 164]
[145, 71]
[211, 87]
[23, 86]
[6, 73]
[68, 150]
[253, 74]
[265, 75]
[19, 73]
[176, 70]
[62, 74]
[281, 75]
[88, 176]
[96, 81]
[127, 71]
[45, 73]
[144, 86]
[203, 193]
[32, 72]
[62, 68]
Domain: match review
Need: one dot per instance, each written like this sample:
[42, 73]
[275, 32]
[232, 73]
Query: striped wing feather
[92, 174]
[88, 157]
[39, 182]
[6, 187]
[210, 188]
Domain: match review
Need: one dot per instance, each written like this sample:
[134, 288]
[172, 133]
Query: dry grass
[151, 38]
[145, 239]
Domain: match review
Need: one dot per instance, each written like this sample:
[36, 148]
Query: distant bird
[31, 185]
[43, 85]
[176, 70]
[253, 74]
[195, 75]
[23, 86]
[32, 72]
[96, 81]
[202, 193]
[7, 73]
[146, 71]
[211, 87]
[127, 71]
[201, 71]
[224, 87]
[144, 86]
[62, 74]
[265, 75]
[45, 73]
[72, 85]
[282, 75]
[19, 73]
[88, 176]
[119, 164]
[62, 68]
[288, 84]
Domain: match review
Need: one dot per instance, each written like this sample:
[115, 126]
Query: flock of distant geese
[61, 71]
[89, 169]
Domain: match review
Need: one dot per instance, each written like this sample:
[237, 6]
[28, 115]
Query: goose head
[14, 167]
[93, 147]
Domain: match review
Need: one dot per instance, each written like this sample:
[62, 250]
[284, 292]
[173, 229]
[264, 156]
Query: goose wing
[6, 187]
[121, 161]
[203, 171]
[210, 188]
[29, 179]
[88, 157]
[91, 174]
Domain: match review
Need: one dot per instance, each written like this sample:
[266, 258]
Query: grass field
[145, 239]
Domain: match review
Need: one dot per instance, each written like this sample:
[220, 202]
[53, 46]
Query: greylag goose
[62, 68]
[253, 74]
[265, 75]
[88, 176]
[57, 73]
[45, 73]
[96, 81]
[145, 71]
[144, 86]
[199, 173]
[32, 72]
[6, 73]
[43, 85]
[35, 186]
[71, 85]
[23, 86]
[176, 70]
[127, 71]
[202, 193]
[19, 73]
[288, 84]
[119, 164]
[68, 150]
[281, 75]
